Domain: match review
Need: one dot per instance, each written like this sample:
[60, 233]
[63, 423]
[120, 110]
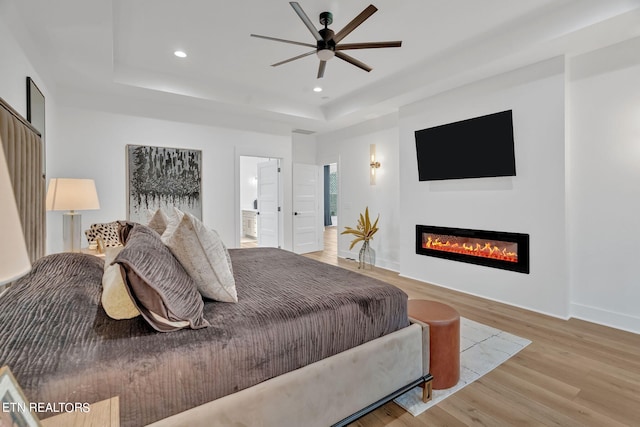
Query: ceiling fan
[328, 43]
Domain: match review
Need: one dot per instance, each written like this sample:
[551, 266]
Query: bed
[306, 344]
[62, 347]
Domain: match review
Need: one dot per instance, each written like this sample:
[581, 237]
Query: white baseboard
[611, 319]
[602, 317]
[501, 301]
[624, 322]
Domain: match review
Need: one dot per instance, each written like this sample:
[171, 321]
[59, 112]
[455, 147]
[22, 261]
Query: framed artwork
[14, 407]
[35, 115]
[161, 177]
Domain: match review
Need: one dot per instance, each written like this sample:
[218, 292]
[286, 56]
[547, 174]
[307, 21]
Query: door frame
[238, 202]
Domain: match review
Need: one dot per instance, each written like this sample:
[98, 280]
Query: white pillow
[203, 255]
[158, 221]
[148, 214]
[115, 298]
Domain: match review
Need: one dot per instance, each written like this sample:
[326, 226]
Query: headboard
[23, 151]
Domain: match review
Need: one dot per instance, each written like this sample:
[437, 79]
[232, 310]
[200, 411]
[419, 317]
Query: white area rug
[482, 349]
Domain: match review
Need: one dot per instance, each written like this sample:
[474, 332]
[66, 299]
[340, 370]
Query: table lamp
[13, 250]
[69, 194]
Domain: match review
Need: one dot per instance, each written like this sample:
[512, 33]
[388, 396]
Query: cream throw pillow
[115, 297]
[158, 221]
[203, 255]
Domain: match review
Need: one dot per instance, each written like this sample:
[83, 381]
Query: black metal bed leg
[425, 381]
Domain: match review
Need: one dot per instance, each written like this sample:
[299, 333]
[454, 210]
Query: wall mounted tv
[474, 148]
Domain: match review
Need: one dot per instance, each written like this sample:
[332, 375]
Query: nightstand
[105, 413]
[93, 252]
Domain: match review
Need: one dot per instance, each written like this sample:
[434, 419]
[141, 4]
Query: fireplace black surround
[507, 251]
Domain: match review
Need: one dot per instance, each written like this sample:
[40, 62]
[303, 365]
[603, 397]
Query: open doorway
[331, 208]
[260, 207]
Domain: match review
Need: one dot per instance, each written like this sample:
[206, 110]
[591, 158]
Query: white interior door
[268, 204]
[306, 208]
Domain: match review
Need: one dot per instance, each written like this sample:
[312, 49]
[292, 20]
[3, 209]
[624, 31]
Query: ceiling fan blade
[283, 40]
[371, 45]
[323, 65]
[370, 10]
[293, 59]
[354, 61]
[306, 20]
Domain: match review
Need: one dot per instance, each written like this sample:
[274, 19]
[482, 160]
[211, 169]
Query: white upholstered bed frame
[323, 393]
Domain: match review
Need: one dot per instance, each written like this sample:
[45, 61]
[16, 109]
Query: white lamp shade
[70, 194]
[14, 260]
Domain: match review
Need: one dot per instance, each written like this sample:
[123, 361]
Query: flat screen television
[474, 148]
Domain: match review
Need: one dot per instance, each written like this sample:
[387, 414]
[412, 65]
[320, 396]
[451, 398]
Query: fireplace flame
[488, 250]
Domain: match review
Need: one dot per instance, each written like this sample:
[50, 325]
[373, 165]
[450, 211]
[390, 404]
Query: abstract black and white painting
[161, 177]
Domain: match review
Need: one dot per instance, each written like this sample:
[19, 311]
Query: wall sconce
[373, 163]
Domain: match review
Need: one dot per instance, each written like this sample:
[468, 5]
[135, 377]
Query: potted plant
[364, 232]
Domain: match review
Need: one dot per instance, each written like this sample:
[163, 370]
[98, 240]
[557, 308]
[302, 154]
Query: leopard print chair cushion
[107, 231]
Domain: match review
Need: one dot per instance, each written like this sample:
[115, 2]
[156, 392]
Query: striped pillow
[158, 284]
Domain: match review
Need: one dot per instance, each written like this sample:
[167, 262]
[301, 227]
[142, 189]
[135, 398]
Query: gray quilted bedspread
[292, 311]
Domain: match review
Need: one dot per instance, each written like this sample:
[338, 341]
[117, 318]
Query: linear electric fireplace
[508, 251]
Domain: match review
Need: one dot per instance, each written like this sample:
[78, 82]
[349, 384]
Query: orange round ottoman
[444, 340]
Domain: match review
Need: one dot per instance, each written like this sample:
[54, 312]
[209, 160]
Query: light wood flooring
[247, 242]
[574, 373]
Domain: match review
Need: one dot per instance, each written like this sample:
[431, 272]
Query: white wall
[15, 66]
[349, 148]
[304, 148]
[14, 69]
[603, 185]
[94, 147]
[531, 202]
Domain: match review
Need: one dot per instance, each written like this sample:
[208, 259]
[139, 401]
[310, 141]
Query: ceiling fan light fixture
[317, 89]
[328, 42]
[325, 54]
[180, 54]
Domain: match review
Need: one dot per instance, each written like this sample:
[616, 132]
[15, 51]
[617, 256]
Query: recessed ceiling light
[180, 54]
[317, 89]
